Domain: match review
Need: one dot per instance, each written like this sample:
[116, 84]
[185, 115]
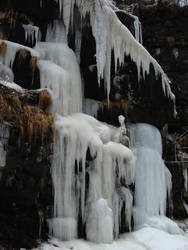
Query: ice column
[153, 180]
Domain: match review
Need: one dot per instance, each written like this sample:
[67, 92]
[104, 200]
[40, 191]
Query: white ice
[112, 164]
[59, 72]
[110, 33]
[153, 181]
[144, 239]
[11, 50]
[12, 85]
[31, 32]
[6, 73]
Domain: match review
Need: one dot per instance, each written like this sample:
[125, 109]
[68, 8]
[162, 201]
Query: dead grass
[31, 121]
[45, 99]
[33, 62]
[3, 48]
[12, 17]
[122, 105]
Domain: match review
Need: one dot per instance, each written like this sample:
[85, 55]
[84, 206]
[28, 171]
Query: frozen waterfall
[93, 168]
[153, 180]
[90, 173]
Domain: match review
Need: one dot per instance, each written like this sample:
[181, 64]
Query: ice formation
[4, 136]
[153, 180]
[59, 72]
[6, 73]
[12, 85]
[91, 107]
[185, 174]
[92, 168]
[31, 33]
[137, 25]
[110, 34]
[109, 165]
[163, 223]
[146, 238]
[10, 52]
[56, 32]
[100, 220]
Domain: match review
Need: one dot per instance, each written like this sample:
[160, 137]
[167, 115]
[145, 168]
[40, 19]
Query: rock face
[166, 37]
[25, 180]
[26, 192]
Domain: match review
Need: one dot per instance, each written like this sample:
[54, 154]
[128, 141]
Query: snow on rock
[12, 85]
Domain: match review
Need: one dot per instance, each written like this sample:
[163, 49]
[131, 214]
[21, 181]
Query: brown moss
[45, 99]
[3, 48]
[33, 62]
[12, 17]
[31, 121]
[123, 105]
[21, 54]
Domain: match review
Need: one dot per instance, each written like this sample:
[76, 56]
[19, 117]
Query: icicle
[137, 25]
[110, 33]
[74, 136]
[185, 175]
[78, 40]
[31, 32]
[10, 52]
[111, 164]
[125, 196]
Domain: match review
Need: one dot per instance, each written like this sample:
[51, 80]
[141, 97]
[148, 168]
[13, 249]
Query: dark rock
[26, 191]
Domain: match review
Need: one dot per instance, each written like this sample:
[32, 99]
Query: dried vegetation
[26, 112]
